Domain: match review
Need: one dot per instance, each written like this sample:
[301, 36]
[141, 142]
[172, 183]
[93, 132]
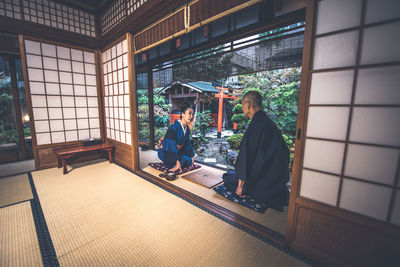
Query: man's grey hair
[254, 98]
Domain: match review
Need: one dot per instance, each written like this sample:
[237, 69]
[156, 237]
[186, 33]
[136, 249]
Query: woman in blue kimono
[176, 150]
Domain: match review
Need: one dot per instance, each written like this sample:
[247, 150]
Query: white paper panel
[81, 113]
[119, 62]
[64, 65]
[83, 123]
[80, 101]
[337, 50]
[121, 88]
[55, 113]
[116, 113]
[66, 89]
[90, 80]
[40, 114]
[68, 101]
[328, 122]
[122, 125]
[128, 139]
[71, 136]
[79, 90]
[324, 155]
[65, 77]
[125, 61]
[38, 101]
[42, 126]
[94, 123]
[54, 101]
[126, 75]
[95, 133]
[126, 85]
[49, 50]
[364, 198]
[376, 125]
[69, 113]
[51, 76]
[56, 125]
[77, 67]
[92, 101]
[32, 47]
[127, 126]
[43, 138]
[338, 14]
[387, 49]
[76, 55]
[378, 10]
[91, 90]
[378, 86]
[70, 124]
[36, 88]
[123, 136]
[127, 114]
[116, 124]
[63, 52]
[89, 57]
[396, 209]
[90, 69]
[112, 134]
[34, 61]
[52, 89]
[35, 75]
[124, 47]
[50, 63]
[83, 134]
[371, 163]
[320, 187]
[79, 78]
[117, 136]
[120, 75]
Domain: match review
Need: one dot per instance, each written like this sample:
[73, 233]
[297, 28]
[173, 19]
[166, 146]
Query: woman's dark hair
[186, 105]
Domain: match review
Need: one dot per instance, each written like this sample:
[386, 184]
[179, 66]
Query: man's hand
[176, 167]
[239, 189]
[192, 161]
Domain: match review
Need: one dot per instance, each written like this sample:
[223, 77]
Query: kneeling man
[262, 164]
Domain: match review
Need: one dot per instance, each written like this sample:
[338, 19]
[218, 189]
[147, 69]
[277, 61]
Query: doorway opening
[213, 81]
[15, 134]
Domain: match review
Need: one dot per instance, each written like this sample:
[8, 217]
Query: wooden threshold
[237, 220]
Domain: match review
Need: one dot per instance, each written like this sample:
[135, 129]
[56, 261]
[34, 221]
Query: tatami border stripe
[47, 250]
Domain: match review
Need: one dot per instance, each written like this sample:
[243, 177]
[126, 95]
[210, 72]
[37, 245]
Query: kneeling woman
[176, 150]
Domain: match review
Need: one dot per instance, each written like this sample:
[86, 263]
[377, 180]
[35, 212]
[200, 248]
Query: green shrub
[240, 119]
[203, 121]
[234, 140]
[161, 121]
[237, 109]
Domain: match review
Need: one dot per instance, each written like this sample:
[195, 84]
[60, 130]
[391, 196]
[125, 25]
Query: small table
[67, 152]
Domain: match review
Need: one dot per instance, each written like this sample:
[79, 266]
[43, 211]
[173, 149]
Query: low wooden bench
[68, 152]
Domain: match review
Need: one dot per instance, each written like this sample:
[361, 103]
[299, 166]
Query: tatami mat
[18, 240]
[14, 189]
[271, 218]
[103, 215]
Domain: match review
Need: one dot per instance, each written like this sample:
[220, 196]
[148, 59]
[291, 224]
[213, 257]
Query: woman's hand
[192, 161]
[176, 167]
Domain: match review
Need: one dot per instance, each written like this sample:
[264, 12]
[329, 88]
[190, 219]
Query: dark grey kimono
[263, 162]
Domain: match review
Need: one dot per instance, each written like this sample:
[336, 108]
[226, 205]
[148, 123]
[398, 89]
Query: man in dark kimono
[261, 169]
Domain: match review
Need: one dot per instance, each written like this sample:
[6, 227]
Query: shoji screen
[116, 93]
[352, 147]
[63, 90]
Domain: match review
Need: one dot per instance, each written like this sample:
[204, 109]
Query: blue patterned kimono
[176, 145]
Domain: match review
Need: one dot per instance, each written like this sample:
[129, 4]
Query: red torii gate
[221, 95]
